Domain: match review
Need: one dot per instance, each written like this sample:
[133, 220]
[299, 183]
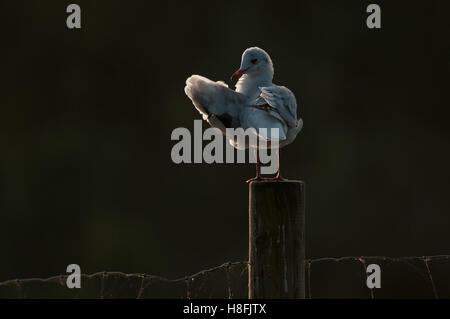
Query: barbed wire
[146, 279]
[363, 259]
[384, 258]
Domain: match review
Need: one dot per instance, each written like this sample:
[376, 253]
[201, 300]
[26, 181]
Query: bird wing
[282, 100]
[275, 107]
[215, 98]
[263, 119]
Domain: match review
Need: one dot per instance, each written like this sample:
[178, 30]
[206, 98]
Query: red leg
[257, 177]
[278, 177]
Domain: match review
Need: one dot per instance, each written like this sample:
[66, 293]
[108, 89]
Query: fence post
[276, 239]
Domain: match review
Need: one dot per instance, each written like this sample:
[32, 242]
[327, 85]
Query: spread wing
[216, 99]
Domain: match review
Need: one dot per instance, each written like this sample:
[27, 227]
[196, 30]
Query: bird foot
[258, 178]
[277, 178]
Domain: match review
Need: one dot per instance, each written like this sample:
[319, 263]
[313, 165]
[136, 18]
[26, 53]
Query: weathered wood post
[276, 239]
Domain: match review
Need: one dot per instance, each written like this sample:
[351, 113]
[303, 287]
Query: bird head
[254, 62]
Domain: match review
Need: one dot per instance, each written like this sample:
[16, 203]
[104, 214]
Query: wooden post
[276, 240]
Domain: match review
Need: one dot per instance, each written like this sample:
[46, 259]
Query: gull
[256, 103]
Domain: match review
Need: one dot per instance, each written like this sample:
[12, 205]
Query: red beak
[236, 75]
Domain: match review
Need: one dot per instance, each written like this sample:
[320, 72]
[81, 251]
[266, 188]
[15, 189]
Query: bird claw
[277, 178]
[258, 178]
[255, 179]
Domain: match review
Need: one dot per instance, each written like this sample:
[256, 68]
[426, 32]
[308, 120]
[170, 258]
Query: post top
[286, 181]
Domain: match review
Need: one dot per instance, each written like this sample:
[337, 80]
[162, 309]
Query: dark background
[86, 115]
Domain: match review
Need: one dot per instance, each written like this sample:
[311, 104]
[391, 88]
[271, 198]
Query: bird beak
[236, 75]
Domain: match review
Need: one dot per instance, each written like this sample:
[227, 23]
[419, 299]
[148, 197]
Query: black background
[86, 115]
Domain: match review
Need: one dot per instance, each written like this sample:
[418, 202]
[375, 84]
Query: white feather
[256, 103]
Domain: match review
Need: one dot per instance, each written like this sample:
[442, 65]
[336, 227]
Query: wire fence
[397, 281]
[329, 277]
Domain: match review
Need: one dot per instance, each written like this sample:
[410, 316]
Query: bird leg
[278, 177]
[257, 177]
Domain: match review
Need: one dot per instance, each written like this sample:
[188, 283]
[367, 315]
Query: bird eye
[254, 61]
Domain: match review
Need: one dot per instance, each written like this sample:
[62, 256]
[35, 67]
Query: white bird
[257, 102]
